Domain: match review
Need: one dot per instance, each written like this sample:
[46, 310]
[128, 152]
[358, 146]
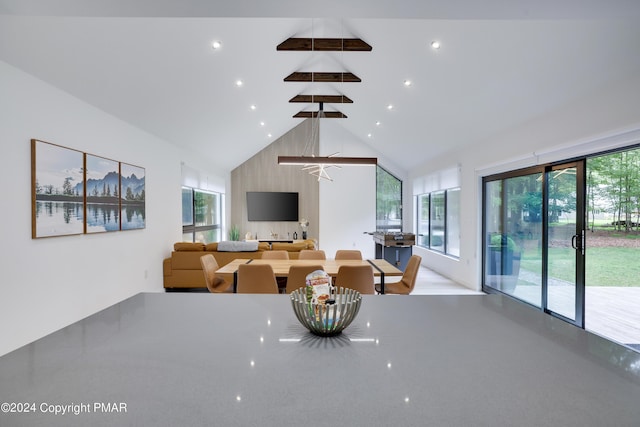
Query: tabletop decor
[304, 223]
[327, 318]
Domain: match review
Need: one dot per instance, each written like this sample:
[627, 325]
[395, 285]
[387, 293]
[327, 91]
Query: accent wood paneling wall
[262, 173]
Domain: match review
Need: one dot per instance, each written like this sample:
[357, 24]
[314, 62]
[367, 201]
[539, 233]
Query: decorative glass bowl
[327, 319]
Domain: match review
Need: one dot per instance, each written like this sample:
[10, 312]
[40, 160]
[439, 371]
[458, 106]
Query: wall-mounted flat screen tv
[272, 206]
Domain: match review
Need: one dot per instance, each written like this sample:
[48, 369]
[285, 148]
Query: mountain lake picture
[132, 197]
[58, 198]
[115, 192]
[103, 194]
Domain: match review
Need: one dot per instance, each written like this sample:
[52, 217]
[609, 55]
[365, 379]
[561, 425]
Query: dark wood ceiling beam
[322, 77]
[325, 114]
[329, 99]
[325, 44]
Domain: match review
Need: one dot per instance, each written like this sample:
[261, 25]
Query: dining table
[381, 268]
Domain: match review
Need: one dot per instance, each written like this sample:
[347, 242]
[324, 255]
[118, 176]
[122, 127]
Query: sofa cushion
[289, 247]
[188, 246]
[213, 247]
[186, 260]
[294, 247]
[235, 246]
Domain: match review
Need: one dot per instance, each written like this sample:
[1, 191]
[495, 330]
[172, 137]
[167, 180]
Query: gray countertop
[244, 360]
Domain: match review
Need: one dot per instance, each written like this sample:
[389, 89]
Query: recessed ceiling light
[268, 135]
[216, 44]
[378, 123]
[435, 44]
[261, 123]
[239, 83]
[369, 135]
[253, 107]
[408, 82]
[390, 107]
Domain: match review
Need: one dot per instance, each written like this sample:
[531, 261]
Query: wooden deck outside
[612, 312]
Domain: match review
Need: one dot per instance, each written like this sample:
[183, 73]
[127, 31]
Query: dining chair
[298, 276]
[348, 254]
[407, 283]
[357, 277]
[275, 254]
[215, 283]
[312, 254]
[256, 279]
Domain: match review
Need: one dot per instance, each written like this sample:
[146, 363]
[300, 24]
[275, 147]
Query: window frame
[193, 229]
[427, 240]
[388, 228]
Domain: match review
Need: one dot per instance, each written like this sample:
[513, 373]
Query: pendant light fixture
[317, 165]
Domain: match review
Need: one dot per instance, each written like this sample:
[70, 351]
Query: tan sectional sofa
[183, 270]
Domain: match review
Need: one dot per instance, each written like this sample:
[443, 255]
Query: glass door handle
[578, 244]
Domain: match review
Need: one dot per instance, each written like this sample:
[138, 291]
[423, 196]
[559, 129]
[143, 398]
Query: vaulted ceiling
[500, 65]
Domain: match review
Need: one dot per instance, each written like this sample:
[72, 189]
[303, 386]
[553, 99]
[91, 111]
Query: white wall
[49, 283]
[600, 121]
[348, 203]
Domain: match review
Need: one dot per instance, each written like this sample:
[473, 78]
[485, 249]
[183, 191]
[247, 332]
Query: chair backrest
[312, 254]
[348, 254]
[215, 283]
[256, 279]
[275, 254]
[411, 272]
[357, 277]
[298, 276]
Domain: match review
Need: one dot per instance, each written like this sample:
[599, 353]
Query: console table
[270, 241]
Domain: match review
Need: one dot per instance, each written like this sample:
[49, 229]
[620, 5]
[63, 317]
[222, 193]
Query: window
[388, 201]
[438, 221]
[423, 220]
[201, 215]
[452, 239]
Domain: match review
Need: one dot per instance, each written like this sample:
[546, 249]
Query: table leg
[381, 275]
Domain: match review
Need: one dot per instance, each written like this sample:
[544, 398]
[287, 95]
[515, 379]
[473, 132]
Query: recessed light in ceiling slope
[239, 83]
[216, 44]
[435, 44]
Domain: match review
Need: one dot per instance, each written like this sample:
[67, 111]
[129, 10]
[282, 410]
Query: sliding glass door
[533, 246]
[513, 235]
[563, 289]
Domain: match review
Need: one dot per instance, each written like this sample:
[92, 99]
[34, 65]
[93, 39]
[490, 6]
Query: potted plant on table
[234, 233]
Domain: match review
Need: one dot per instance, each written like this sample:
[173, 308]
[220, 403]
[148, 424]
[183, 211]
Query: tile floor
[431, 283]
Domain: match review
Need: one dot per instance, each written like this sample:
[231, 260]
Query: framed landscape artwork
[102, 178]
[57, 190]
[132, 197]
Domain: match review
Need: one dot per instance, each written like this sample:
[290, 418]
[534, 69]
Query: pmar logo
[110, 407]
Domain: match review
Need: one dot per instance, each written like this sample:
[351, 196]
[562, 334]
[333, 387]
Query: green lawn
[604, 266]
